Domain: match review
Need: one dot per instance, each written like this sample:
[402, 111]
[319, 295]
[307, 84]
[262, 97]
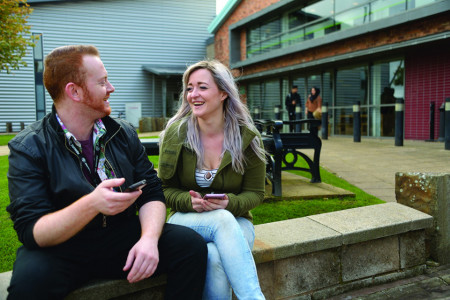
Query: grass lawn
[265, 213]
[5, 138]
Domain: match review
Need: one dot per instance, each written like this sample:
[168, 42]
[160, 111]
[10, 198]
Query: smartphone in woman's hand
[214, 196]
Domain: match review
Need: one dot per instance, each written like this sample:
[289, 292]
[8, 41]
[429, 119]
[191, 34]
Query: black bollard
[442, 122]
[298, 116]
[357, 122]
[399, 114]
[325, 121]
[447, 124]
[432, 106]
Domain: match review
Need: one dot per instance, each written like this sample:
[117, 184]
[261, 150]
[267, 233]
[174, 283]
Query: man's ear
[73, 91]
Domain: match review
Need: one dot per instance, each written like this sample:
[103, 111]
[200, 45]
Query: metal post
[277, 112]
[298, 116]
[442, 122]
[447, 124]
[399, 114]
[325, 121]
[256, 114]
[8, 127]
[357, 122]
[432, 106]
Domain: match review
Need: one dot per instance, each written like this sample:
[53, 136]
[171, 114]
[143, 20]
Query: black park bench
[279, 145]
[151, 146]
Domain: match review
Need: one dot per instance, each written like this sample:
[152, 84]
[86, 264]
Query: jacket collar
[112, 127]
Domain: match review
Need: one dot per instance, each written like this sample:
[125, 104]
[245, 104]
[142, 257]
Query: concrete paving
[434, 284]
[372, 163]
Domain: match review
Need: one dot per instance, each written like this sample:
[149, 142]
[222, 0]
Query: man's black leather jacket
[45, 175]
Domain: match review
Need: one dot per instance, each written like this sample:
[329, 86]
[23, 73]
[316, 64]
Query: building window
[322, 18]
[38, 58]
[264, 37]
[386, 87]
[351, 87]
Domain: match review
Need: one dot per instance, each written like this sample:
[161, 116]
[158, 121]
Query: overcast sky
[219, 5]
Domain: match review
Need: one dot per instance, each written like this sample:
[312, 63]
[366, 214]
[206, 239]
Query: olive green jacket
[177, 166]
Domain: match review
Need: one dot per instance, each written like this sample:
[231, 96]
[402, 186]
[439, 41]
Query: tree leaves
[15, 35]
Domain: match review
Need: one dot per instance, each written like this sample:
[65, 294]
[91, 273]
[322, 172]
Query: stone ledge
[329, 230]
[316, 255]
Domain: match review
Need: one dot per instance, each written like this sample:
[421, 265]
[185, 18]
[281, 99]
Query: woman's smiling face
[203, 94]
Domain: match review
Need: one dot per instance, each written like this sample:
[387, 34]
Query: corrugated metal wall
[128, 34]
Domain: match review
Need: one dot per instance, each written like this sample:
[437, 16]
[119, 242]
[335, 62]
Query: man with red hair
[67, 179]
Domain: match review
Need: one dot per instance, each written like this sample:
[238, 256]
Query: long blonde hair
[236, 115]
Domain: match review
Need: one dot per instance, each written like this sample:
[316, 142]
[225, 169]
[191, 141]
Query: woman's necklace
[209, 174]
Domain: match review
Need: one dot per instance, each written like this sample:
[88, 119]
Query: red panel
[427, 79]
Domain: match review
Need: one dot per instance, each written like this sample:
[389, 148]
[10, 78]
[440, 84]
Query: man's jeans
[230, 259]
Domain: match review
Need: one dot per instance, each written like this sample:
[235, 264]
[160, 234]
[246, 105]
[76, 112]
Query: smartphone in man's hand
[136, 186]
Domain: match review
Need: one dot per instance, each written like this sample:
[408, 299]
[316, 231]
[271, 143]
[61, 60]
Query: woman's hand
[197, 201]
[200, 205]
[212, 203]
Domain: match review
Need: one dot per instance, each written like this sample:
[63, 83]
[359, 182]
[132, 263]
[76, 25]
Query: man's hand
[109, 202]
[142, 259]
[55, 228]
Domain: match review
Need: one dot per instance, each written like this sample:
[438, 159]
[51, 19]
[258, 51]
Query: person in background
[67, 176]
[292, 100]
[212, 146]
[314, 104]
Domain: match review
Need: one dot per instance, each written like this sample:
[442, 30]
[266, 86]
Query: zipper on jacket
[104, 223]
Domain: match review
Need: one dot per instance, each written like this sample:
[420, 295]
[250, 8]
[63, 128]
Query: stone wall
[314, 257]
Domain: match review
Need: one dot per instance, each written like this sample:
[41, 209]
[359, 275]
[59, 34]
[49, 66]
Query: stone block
[149, 124]
[5, 278]
[370, 258]
[412, 249]
[145, 125]
[299, 236]
[373, 222]
[304, 273]
[429, 193]
[266, 278]
[107, 289]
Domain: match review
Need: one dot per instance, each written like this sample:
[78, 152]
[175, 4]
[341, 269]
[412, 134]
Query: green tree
[15, 35]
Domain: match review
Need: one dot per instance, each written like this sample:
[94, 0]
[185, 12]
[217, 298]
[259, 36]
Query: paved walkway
[434, 284]
[371, 164]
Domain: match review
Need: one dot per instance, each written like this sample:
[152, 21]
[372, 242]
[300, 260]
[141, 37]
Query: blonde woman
[211, 146]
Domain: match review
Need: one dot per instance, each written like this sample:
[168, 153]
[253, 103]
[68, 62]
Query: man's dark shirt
[291, 97]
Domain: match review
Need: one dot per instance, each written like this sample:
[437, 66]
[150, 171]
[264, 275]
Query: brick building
[371, 51]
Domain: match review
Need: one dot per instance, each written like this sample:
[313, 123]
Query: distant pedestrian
[292, 100]
[314, 104]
